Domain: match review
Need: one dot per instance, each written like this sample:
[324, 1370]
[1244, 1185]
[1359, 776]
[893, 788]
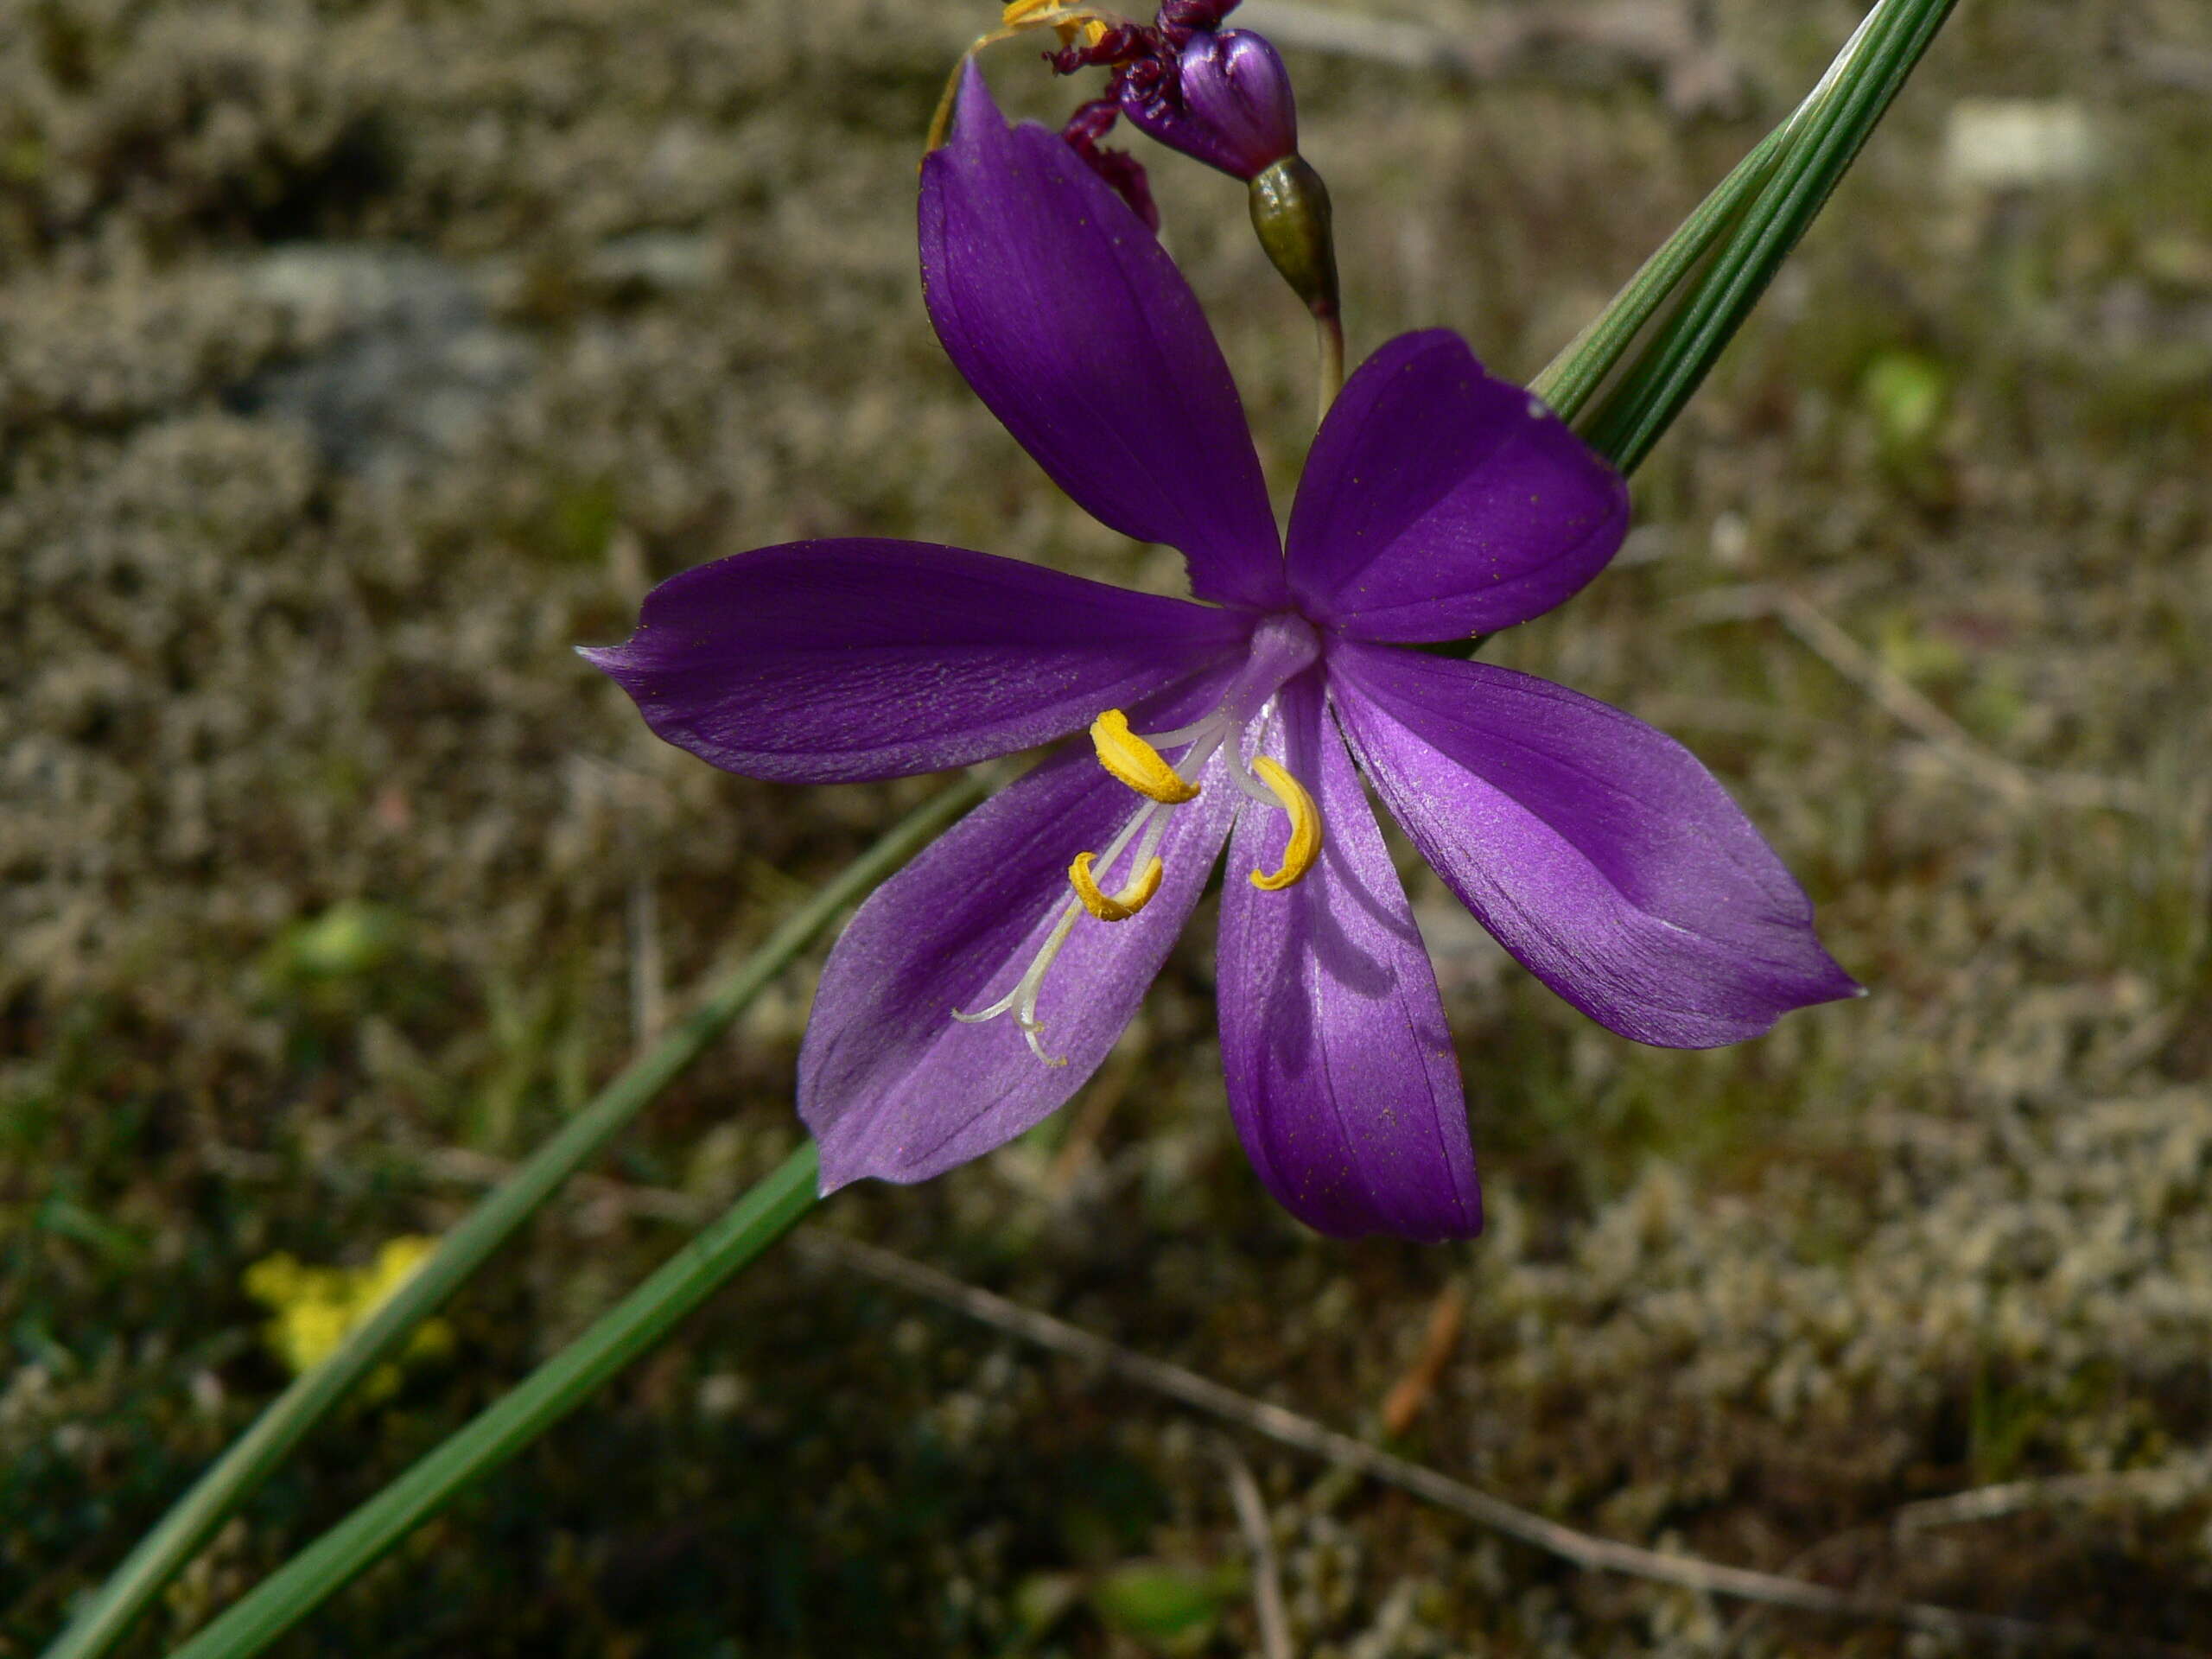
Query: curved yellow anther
[1118, 906]
[1086, 28]
[1304, 843]
[1135, 762]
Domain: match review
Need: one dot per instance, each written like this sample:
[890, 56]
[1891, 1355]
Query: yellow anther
[1070, 22]
[1117, 907]
[1305, 844]
[1135, 762]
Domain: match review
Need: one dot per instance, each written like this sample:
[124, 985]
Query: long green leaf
[1570, 379]
[1813, 160]
[241, 1469]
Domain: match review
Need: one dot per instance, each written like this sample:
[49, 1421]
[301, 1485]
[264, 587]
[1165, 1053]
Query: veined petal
[1597, 850]
[890, 1083]
[828, 662]
[1439, 502]
[1072, 324]
[1341, 1076]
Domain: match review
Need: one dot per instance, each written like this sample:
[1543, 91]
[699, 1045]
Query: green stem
[1329, 339]
[240, 1471]
[549, 1394]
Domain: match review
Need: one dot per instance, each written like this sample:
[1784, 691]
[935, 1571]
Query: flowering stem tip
[979, 988]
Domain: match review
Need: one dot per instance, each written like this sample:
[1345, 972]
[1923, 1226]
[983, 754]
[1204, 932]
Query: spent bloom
[1223, 98]
[976, 990]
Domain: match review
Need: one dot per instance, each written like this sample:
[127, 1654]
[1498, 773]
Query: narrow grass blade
[234, 1478]
[548, 1395]
[1814, 159]
[1571, 378]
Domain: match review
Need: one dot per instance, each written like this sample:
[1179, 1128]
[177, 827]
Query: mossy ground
[357, 359]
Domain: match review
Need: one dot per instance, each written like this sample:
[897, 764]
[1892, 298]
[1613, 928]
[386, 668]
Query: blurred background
[357, 359]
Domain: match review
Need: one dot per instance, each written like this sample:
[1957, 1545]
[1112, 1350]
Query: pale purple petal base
[1341, 1075]
[1597, 850]
[834, 661]
[890, 1083]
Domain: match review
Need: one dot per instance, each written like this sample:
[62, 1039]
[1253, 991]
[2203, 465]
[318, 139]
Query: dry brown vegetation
[357, 359]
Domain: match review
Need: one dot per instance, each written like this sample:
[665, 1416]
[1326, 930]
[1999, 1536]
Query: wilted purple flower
[1225, 99]
[979, 988]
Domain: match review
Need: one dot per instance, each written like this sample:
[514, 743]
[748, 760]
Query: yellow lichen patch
[1304, 843]
[314, 1308]
[1135, 762]
[1117, 907]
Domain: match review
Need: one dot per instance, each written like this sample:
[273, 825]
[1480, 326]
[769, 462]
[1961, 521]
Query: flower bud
[1226, 101]
[1290, 210]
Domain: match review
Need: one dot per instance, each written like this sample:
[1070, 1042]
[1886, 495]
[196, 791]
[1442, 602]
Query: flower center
[1281, 646]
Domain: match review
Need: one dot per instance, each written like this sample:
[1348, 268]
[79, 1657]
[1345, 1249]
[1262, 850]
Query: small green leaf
[1906, 394]
[1172, 1609]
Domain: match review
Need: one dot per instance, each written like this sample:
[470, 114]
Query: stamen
[1120, 906]
[1304, 843]
[1022, 1000]
[1018, 12]
[1135, 762]
[1070, 22]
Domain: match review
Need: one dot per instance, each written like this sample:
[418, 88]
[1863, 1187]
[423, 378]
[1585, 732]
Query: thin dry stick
[2169, 1483]
[1654, 35]
[1286, 1427]
[1267, 1575]
[1411, 1392]
[1899, 699]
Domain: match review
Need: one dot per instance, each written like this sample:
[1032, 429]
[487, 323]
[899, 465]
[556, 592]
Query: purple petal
[828, 662]
[1071, 322]
[891, 1084]
[1439, 502]
[1597, 850]
[1341, 1076]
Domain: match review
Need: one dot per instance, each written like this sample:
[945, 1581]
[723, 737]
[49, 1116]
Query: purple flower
[979, 988]
[1225, 100]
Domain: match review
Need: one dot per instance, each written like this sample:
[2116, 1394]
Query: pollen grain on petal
[1135, 762]
[1304, 843]
[1115, 906]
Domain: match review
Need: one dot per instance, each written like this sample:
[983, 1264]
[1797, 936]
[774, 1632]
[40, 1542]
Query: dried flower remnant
[1221, 97]
[1224, 98]
[977, 990]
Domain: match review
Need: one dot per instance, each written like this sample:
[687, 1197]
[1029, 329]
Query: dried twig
[2187, 69]
[1904, 702]
[1411, 1392]
[1267, 1575]
[1302, 1434]
[1288, 1427]
[2169, 1484]
[1660, 38]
